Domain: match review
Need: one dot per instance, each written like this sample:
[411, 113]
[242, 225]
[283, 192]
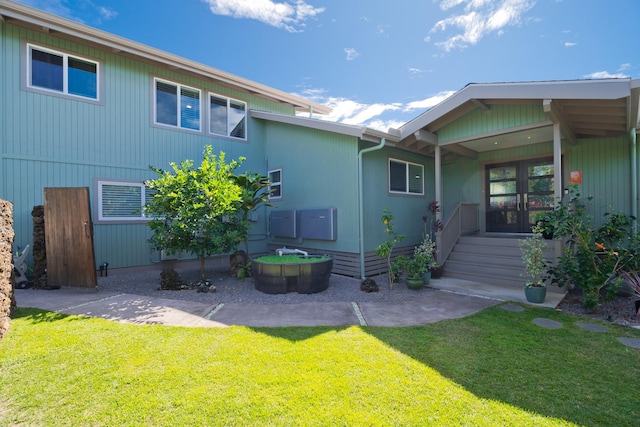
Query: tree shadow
[37, 315]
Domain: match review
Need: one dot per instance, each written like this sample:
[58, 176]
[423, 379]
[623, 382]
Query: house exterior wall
[50, 141]
[497, 118]
[407, 210]
[319, 170]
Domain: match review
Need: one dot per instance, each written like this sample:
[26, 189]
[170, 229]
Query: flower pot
[436, 272]
[426, 278]
[414, 283]
[535, 294]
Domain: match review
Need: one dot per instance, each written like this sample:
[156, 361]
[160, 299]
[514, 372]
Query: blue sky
[379, 63]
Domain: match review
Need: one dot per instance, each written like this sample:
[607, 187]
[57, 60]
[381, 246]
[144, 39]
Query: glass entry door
[516, 192]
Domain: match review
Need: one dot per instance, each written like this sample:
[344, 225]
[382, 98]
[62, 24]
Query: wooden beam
[481, 104]
[554, 111]
[426, 136]
[461, 150]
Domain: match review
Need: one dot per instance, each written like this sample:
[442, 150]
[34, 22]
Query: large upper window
[62, 73]
[122, 201]
[405, 177]
[227, 117]
[177, 105]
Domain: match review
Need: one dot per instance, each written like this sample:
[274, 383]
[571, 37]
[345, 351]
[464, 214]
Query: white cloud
[570, 44]
[287, 15]
[605, 75]
[479, 18]
[377, 116]
[351, 53]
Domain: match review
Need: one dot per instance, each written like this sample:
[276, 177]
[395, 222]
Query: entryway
[516, 192]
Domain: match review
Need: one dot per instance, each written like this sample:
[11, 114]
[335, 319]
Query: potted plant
[413, 269]
[426, 254]
[535, 266]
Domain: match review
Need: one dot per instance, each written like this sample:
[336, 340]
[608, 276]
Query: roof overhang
[361, 132]
[583, 108]
[25, 16]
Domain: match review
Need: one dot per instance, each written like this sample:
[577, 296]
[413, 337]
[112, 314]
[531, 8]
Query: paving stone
[547, 323]
[630, 342]
[513, 308]
[593, 327]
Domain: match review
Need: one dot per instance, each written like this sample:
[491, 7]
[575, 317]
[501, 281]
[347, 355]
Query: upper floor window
[227, 117]
[62, 73]
[177, 105]
[406, 177]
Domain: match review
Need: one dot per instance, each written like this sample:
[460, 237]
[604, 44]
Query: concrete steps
[488, 259]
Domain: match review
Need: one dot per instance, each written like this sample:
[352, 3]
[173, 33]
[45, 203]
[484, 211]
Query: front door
[516, 192]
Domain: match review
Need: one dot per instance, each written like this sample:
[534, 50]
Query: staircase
[488, 259]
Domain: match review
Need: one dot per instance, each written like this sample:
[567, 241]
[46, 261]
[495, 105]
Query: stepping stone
[512, 308]
[592, 327]
[630, 342]
[547, 323]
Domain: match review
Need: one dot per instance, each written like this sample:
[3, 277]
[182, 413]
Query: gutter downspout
[361, 201]
[634, 177]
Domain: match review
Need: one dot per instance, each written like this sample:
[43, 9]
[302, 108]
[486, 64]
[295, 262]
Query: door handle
[518, 202]
[526, 201]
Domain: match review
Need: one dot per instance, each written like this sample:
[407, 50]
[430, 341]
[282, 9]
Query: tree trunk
[203, 279]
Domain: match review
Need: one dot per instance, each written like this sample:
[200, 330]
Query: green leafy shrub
[385, 249]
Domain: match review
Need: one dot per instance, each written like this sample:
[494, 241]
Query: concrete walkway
[451, 300]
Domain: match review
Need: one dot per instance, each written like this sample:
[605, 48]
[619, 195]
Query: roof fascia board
[117, 44]
[576, 89]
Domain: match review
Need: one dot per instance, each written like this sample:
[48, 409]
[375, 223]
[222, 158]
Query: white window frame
[101, 218]
[274, 184]
[227, 133]
[407, 177]
[28, 74]
[178, 86]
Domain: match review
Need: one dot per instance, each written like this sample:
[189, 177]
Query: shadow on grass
[568, 373]
[297, 334]
[36, 315]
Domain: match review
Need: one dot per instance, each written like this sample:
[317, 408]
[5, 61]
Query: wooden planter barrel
[304, 278]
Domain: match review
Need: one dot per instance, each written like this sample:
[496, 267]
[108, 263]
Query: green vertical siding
[319, 170]
[49, 141]
[408, 210]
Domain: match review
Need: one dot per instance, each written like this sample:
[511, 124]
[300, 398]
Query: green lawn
[495, 368]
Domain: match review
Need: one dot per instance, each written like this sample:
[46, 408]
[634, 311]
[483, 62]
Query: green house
[84, 108]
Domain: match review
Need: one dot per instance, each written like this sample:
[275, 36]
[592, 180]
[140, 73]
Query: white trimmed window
[406, 177]
[60, 73]
[176, 105]
[122, 201]
[227, 117]
[275, 178]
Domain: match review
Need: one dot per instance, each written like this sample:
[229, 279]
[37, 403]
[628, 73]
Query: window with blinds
[58, 72]
[406, 177]
[122, 201]
[227, 117]
[177, 105]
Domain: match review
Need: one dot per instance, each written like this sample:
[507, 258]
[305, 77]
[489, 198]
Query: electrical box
[283, 223]
[320, 224]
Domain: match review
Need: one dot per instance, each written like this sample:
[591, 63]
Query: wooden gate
[69, 238]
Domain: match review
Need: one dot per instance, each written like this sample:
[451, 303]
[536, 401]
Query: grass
[492, 368]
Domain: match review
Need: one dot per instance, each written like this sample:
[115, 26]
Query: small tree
[385, 249]
[194, 209]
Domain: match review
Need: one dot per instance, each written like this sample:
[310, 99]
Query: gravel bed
[231, 290]
[620, 310]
